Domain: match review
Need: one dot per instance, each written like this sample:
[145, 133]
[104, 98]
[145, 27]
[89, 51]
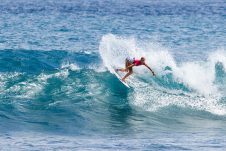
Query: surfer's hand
[153, 74]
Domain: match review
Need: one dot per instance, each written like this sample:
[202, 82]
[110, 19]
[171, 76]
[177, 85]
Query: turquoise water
[58, 93]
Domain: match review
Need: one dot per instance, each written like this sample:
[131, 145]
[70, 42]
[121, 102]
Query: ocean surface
[57, 90]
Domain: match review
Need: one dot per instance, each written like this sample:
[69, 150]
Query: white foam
[30, 88]
[218, 56]
[199, 77]
[5, 77]
[71, 66]
[151, 99]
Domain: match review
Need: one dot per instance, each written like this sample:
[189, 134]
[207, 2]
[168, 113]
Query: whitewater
[58, 90]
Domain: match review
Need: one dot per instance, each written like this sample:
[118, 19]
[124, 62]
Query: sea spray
[191, 84]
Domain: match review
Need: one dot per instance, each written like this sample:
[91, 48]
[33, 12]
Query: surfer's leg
[127, 63]
[128, 74]
[122, 70]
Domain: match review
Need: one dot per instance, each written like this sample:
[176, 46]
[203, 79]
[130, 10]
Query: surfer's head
[142, 59]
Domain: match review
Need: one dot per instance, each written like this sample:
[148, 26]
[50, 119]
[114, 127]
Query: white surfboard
[119, 77]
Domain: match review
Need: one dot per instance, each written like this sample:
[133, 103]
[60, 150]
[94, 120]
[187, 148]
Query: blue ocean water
[57, 91]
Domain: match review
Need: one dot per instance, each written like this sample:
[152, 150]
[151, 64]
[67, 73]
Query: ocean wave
[74, 90]
[185, 84]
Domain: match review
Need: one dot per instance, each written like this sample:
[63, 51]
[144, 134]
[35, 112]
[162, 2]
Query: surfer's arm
[150, 69]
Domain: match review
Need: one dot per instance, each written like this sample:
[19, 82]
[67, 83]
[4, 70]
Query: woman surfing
[130, 63]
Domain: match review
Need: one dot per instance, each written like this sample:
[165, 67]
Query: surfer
[130, 63]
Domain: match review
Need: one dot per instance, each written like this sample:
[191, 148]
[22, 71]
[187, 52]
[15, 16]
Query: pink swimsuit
[137, 62]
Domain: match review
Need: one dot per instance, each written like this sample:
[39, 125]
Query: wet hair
[142, 58]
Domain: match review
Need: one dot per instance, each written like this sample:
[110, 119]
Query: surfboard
[120, 77]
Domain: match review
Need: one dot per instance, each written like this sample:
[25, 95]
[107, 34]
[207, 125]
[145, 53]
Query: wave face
[57, 91]
[84, 99]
